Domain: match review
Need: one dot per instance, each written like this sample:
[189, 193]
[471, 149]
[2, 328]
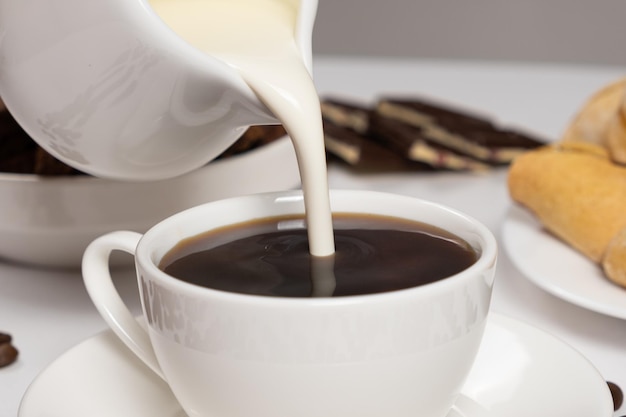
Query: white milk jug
[109, 88]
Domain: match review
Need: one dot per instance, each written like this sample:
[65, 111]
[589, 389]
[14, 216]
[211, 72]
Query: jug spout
[110, 90]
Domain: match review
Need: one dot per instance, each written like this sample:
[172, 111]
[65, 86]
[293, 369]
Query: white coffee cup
[403, 353]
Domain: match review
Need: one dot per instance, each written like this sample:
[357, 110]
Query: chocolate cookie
[21, 155]
[347, 136]
[468, 134]
[410, 142]
[365, 153]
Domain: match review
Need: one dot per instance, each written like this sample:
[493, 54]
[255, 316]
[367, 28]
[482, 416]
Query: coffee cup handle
[101, 290]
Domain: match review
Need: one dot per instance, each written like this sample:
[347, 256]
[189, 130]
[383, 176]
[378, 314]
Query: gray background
[559, 31]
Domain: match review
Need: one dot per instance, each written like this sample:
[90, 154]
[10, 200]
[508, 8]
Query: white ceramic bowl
[48, 221]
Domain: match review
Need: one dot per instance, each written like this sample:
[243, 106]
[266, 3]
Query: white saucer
[520, 371]
[557, 268]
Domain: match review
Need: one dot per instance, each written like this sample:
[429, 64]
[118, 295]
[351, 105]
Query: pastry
[601, 120]
[616, 133]
[614, 260]
[576, 192]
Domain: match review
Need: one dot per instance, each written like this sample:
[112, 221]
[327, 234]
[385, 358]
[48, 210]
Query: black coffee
[271, 257]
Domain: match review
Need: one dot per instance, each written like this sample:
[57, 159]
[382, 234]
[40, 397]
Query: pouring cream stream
[257, 38]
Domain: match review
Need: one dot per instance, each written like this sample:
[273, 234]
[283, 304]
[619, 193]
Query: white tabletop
[47, 312]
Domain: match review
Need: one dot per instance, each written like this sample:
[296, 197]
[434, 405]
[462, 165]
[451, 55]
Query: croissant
[616, 132]
[602, 120]
[579, 194]
[614, 261]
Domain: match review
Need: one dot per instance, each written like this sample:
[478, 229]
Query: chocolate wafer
[347, 137]
[16, 155]
[363, 152]
[347, 114]
[20, 154]
[254, 137]
[410, 142]
[468, 134]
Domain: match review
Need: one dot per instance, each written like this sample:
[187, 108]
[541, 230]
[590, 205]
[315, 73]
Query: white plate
[557, 268]
[520, 371]
[48, 221]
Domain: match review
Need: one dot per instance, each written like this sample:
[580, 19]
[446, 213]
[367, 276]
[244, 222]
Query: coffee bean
[5, 338]
[617, 394]
[8, 354]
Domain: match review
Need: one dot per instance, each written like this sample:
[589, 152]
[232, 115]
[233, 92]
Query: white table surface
[47, 312]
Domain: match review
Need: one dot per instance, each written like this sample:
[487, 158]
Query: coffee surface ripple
[278, 263]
